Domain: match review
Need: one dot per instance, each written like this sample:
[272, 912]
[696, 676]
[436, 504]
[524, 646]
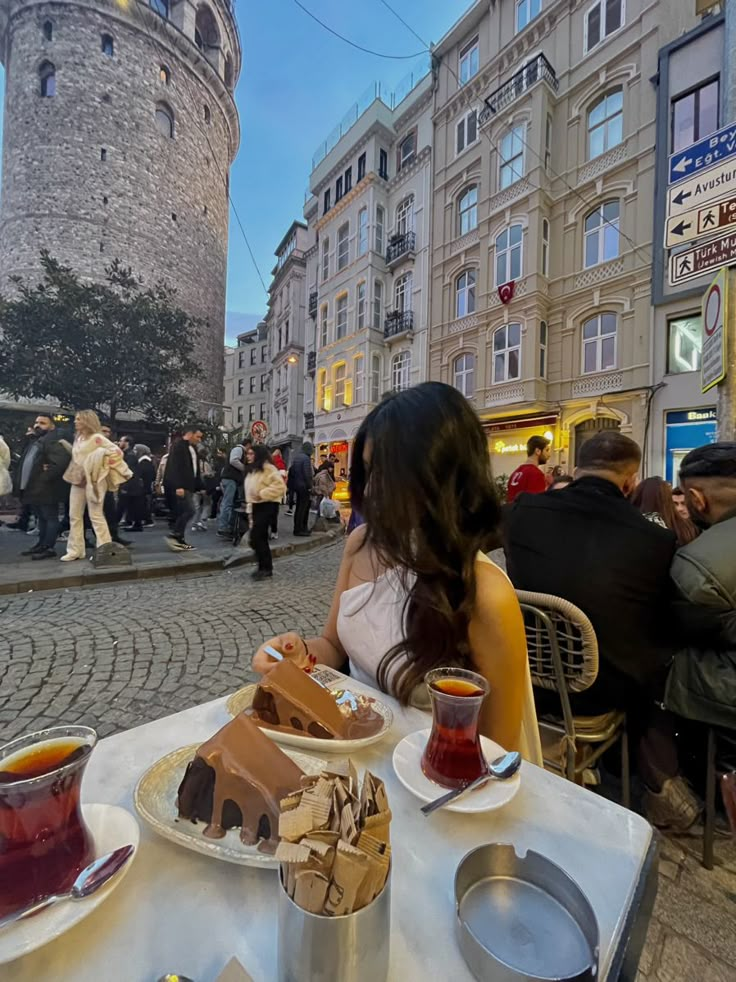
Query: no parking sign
[713, 363]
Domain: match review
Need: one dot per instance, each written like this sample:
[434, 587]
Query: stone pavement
[117, 656]
[150, 555]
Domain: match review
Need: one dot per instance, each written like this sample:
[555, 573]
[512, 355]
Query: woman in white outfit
[415, 590]
[97, 467]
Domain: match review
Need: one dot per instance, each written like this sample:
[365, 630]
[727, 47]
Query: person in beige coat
[264, 488]
[97, 467]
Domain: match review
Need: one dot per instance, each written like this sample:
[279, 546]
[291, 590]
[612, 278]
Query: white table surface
[178, 911]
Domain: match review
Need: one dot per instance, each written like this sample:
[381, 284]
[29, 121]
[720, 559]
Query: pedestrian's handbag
[74, 474]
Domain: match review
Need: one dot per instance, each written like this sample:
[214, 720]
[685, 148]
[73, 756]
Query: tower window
[165, 120]
[104, 200]
[108, 45]
[164, 75]
[173, 216]
[47, 76]
[103, 154]
[48, 30]
[207, 114]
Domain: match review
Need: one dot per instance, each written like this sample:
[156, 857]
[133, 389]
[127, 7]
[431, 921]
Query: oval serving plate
[242, 700]
[155, 802]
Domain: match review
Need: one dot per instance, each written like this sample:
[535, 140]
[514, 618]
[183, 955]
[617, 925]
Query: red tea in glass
[44, 841]
[453, 756]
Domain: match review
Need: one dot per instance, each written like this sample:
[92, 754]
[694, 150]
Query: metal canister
[349, 948]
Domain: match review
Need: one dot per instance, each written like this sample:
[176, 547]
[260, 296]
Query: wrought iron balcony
[400, 246]
[398, 322]
[311, 362]
[308, 421]
[313, 303]
[534, 71]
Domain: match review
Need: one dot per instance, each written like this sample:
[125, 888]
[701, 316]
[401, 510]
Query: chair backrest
[574, 638]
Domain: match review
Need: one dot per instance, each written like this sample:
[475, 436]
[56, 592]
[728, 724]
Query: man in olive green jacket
[702, 680]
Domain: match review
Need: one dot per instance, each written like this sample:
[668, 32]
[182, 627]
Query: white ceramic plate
[155, 802]
[243, 700]
[408, 767]
[111, 827]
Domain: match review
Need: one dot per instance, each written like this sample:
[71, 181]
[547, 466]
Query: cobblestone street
[115, 657]
[118, 656]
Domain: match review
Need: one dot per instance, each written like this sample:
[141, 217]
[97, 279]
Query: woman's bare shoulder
[355, 541]
[495, 594]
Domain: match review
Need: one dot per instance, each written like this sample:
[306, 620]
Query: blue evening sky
[296, 84]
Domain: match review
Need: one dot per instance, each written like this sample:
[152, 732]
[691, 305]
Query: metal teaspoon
[502, 768]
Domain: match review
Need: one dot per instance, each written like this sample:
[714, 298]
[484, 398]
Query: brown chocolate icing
[288, 699]
[238, 778]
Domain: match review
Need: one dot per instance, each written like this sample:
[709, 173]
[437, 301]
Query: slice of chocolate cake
[288, 699]
[238, 779]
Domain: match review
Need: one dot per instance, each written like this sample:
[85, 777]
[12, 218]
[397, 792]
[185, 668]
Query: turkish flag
[506, 291]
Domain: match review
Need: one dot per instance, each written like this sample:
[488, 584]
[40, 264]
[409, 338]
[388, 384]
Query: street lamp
[292, 359]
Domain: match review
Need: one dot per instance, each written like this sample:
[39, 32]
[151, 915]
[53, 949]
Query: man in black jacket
[299, 482]
[182, 478]
[41, 484]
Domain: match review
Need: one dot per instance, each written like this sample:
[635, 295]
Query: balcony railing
[537, 70]
[311, 362]
[399, 246]
[313, 303]
[308, 421]
[398, 322]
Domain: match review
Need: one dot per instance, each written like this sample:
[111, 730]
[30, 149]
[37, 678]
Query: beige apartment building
[544, 181]
[246, 378]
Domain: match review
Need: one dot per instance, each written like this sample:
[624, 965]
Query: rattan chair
[563, 657]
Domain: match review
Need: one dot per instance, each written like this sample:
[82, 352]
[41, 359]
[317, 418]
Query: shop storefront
[686, 429]
[507, 440]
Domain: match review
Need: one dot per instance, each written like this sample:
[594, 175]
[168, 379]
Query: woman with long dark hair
[653, 498]
[415, 590]
[263, 486]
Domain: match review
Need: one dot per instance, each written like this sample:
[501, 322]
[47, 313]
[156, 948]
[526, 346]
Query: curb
[147, 571]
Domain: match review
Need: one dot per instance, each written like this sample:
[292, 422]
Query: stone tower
[119, 131]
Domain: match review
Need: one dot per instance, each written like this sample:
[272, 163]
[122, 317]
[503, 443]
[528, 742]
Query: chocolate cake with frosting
[288, 699]
[237, 779]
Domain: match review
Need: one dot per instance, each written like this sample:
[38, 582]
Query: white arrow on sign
[682, 165]
[707, 186]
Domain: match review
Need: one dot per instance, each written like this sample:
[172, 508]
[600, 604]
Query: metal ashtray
[523, 919]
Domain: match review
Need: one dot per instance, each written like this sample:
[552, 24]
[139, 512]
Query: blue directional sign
[705, 153]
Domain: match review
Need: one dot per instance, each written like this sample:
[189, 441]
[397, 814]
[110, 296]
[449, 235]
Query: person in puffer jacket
[702, 680]
[264, 488]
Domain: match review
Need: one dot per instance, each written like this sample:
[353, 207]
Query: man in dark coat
[702, 681]
[41, 484]
[299, 482]
[182, 478]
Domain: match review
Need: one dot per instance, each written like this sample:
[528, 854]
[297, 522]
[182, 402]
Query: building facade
[247, 380]
[689, 98]
[544, 180]
[286, 319]
[368, 213]
[120, 127]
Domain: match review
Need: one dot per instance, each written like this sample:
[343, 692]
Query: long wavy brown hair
[653, 495]
[429, 504]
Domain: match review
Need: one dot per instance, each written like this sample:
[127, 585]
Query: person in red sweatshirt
[529, 477]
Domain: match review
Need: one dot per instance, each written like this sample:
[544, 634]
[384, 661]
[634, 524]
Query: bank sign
[712, 150]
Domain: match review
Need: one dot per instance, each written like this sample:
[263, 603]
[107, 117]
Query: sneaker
[32, 551]
[63, 536]
[675, 807]
[224, 535]
[178, 545]
[261, 574]
[202, 526]
[149, 525]
[33, 531]
[45, 554]
[274, 536]
[15, 527]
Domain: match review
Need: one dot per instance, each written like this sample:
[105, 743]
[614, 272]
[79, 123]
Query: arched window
[468, 210]
[323, 325]
[107, 45]
[164, 75]
[507, 353]
[229, 79]
[605, 123]
[508, 255]
[325, 258]
[165, 119]
[47, 77]
[377, 304]
[206, 114]
[465, 293]
[464, 372]
[400, 370]
[405, 216]
[545, 247]
[48, 30]
[160, 6]
[403, 293]
[375, 380]
[601, 234]
[206, 31]
[599, 343]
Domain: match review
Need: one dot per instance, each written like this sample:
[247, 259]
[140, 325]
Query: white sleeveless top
[370, 623]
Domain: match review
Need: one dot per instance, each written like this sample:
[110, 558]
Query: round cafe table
[178, 911]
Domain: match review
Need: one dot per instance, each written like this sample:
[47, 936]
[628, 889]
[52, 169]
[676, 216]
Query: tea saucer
[408, 767]
[111, 827]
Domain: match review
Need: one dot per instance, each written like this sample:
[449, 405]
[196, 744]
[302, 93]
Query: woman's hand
[290, 645]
